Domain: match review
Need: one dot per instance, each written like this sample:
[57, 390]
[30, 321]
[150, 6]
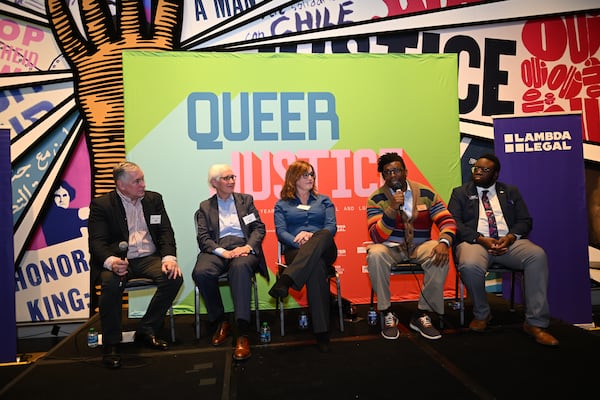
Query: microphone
[398, 189]
[123, 246]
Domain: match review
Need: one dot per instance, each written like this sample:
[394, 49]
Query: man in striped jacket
[400, 216]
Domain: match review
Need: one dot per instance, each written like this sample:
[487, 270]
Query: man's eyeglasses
[308, 174]
[229, 178]
[485, 170]
[393, 171]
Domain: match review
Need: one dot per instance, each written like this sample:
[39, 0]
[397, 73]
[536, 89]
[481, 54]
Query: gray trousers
[523, 255]
[380, 259]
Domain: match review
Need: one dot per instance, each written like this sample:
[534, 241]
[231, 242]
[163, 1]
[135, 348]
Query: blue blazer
[464, 207]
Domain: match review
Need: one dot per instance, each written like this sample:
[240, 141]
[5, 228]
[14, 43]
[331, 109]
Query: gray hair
[215, 172]
[121, 169]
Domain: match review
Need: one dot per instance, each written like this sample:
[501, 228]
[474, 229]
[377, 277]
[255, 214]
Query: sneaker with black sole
[390, 326]
[423, 325]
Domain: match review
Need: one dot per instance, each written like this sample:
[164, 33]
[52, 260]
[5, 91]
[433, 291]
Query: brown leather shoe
[540, 335]
[242, 349]
[221, 333]
[479, 325]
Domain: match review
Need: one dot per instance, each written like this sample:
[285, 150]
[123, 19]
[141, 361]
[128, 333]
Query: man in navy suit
[230, 234]
[130, 236]
[506, 242]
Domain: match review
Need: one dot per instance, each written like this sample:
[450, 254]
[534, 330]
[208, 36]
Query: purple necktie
[490, 215]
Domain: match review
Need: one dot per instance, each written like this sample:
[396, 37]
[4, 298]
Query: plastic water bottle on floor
[265, 333]
[92, 338]
[303, 320]
[372, 317]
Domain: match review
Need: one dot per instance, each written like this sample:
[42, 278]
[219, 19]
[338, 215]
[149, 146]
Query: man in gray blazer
[230, 234]
[493, 222]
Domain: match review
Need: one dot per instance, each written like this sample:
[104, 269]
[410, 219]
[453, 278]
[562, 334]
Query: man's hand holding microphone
[398, 197]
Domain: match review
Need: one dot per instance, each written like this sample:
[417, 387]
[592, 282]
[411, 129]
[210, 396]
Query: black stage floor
[502, 363]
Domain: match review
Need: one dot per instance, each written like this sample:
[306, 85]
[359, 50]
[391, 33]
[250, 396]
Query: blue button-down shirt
[292, 217]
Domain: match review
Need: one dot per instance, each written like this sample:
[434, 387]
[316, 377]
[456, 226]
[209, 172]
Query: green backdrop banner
[258, 112]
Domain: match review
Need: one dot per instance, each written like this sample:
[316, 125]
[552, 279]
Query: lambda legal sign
[537, 141]
[543, 156]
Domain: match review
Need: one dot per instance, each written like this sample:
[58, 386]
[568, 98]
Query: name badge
[421, 207]
[304, 207]
[155, 219]
[248, 219]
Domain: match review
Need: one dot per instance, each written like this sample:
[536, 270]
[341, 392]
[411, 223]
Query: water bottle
[265, 333]
[303, 320]
[372, 317]
[92, 338]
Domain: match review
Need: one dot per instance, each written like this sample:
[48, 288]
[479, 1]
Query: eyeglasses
[229, 178]
[485, 170]
[393, 171]
[308, 174]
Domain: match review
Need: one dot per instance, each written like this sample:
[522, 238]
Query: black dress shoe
[151, 341]
[323, 342]
[111, 357]
[279, 289]
[324, 347]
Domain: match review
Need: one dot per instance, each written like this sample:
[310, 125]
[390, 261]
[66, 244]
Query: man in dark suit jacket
[130, 236]
[230, 234]
[506, 243]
